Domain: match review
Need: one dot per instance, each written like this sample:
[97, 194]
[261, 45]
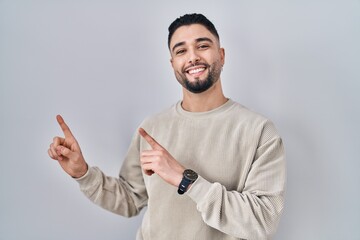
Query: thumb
[64, 151]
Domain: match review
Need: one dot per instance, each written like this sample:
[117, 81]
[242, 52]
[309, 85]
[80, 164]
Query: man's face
[196, 57]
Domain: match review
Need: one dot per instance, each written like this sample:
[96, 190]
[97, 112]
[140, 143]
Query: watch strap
[184, 184]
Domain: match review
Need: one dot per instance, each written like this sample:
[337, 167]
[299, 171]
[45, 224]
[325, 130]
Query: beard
[201, 85]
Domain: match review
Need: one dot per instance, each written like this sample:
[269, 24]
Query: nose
[193, 57]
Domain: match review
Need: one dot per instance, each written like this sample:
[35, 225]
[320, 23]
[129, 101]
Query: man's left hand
[159, 161]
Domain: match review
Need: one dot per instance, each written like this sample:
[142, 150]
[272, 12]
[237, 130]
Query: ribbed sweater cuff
[199, 189]
[89, 178]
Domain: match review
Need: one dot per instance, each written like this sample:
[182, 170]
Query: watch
[189, 176]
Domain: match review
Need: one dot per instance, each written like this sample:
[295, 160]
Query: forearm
[243, 215]
[111, 193]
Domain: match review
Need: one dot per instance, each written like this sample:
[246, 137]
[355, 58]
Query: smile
[196, 70]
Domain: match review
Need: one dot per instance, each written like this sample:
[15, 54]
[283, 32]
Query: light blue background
[104, 65]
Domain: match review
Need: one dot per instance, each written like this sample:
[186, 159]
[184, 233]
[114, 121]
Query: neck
[205, 101]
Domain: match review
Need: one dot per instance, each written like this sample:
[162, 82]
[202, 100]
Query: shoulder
[244, 115]
[249, 120]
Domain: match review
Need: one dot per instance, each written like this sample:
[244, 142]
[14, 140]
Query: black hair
[188, 19]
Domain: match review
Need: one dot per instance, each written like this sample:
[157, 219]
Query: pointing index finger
[64, 126]
[153, 143]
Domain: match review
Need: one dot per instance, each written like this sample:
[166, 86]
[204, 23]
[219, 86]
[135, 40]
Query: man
[206, 168]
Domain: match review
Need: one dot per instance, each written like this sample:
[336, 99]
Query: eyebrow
[202, 39]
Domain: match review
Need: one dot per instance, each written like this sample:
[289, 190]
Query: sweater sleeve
[124, 195]
[253, 212]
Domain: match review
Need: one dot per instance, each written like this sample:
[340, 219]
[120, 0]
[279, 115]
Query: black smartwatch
[189, 176]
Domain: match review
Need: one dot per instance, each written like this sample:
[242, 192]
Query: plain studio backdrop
[104, 65]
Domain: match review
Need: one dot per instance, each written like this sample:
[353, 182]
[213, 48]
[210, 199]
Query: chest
[219, 152]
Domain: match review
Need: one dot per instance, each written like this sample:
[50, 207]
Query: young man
[206, 168]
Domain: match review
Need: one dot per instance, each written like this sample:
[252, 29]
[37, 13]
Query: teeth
[193, 71]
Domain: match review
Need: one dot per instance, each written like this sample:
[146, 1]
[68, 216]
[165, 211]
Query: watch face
[190, 174]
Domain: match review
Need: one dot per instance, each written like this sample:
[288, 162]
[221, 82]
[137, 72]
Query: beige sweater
[240, 190]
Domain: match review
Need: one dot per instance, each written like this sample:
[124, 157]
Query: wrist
[82, 172]
[176, 179]
[178, 176]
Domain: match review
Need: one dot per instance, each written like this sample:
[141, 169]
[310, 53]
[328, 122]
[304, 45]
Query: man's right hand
[67, 152]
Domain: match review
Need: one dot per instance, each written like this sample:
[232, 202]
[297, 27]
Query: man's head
[196, 56]
[189, 19]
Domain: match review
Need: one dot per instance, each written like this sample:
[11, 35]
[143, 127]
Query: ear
[171, 61]
[222, 55]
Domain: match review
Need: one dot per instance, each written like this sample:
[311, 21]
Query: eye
[203, 46]
[180, 51]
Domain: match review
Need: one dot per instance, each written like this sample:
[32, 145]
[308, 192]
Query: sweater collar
[216, 111]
